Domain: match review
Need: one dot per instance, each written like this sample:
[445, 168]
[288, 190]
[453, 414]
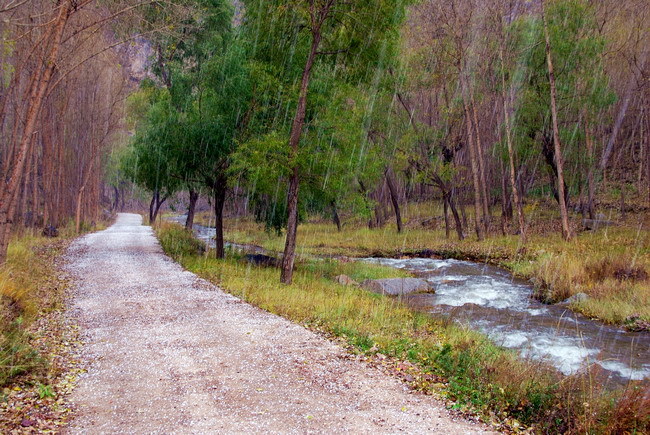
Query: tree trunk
[219, 201]
[607, 151]
[30, 177]
[84, 182]
[505, 218]
[485, 199]
[511, 156]
[478, 201]
[189, 222]
[445, 206]
[288, 259]
[644, 138]
[394, 198]
[116, 203]
[152, 206]
[566, 232]
[37, 93]
[454, 212]
[335, 217]
[590, 172]
[6, 231]
[78, 210]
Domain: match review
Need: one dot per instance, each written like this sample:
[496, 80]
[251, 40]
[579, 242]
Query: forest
[504, 132]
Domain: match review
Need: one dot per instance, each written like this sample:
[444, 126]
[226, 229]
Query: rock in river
[578, 297]
[397, 286]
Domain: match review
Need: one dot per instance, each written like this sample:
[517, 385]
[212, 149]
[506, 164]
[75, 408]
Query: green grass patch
[477, 374]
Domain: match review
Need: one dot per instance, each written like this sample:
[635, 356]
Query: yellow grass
[557, 268]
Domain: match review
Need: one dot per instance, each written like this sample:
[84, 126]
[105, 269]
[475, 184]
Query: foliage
[582, 87]
[359, 43]
[188, 122]
[27, 287]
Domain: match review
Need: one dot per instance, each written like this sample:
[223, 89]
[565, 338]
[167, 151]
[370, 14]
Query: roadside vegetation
[28, 286]
[610, 265]
[37, 343]
[433, 355]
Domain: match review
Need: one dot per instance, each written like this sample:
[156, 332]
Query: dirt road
[170, 353]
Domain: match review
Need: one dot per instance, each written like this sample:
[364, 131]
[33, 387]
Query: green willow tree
[300, 39]
[190, 131]
[148, 162]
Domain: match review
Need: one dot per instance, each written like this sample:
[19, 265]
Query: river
[492, 301]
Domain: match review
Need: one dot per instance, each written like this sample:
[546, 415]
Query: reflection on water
[492, 301]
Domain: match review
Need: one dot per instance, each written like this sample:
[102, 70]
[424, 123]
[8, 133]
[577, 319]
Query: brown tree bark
[219, 201]
[154, 207]
[480, 157]
[474, 167]
[394, 198]
[36, 96]
[607, 150]
[189, 222]
[449, 198]
[505, 217]
[591, 188]
[445, 213]
[289, 256]
[559, 160]
[335, 217]
[80, 194]
[511, 155]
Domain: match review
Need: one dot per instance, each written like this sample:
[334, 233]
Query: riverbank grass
[611, 266]
[434, 355]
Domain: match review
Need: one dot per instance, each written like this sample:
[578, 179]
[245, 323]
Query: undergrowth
[27, 287]
[476, 374]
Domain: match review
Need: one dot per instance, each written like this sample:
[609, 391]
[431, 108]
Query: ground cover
[38, 343]
[435, 355]
[610, 265]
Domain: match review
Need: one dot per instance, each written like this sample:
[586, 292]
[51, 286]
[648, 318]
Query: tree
[565, 86]
[325, 35]
[150, 164]
[198, 110]
[559, 160]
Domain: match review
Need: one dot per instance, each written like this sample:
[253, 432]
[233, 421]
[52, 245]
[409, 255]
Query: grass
[460, 364]
[29, 289]
[557, 268]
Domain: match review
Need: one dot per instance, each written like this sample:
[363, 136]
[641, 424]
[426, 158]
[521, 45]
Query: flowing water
[491, 300]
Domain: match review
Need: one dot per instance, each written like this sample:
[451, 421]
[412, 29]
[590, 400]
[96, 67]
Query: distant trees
[326, 106]
[192, 115]
[60, 111]
[477, 80]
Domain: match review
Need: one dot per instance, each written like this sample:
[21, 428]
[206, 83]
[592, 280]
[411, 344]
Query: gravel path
[170, 353]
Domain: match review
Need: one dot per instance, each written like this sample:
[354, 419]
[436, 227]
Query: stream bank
[491, 300]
